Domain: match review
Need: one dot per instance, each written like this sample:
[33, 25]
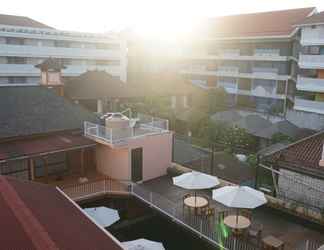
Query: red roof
[21, 21]
[39, 145]
[317, 18]
[274, 23]
[36, 216]
[303, 155]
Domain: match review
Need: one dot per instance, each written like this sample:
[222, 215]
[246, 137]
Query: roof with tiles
[21, 21]
[37, 216]
[32, 110]
[317, 18]
[303, 155]
[274, 23]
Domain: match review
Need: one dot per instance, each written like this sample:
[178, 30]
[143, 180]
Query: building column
[99, 106]
[173, 102]
[82, 162]
[31, 169]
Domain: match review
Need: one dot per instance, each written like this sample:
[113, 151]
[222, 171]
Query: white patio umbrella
[195, 180]
[104, 216]
[142, 244]
[239, 197]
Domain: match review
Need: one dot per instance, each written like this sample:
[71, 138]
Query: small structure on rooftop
[51, 75]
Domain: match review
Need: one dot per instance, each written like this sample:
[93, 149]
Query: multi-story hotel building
[253, 56]
[25, 42]
[310, 80]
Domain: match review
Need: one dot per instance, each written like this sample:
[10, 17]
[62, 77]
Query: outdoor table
[270, 242]
[237, 223]
[196, 202]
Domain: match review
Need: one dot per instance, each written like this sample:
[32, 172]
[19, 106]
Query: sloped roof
[317, 18]
[253, 123]
[303, 155]
[99, 84]
[37, 216]
[31, 110]
[51, 63]
[21, 21]
[227, 116]
[273, 23]
[283, 127]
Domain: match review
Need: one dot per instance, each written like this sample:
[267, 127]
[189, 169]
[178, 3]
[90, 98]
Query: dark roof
[252, 123]
[51, 63]
[317, 18]
[303, 155]
[37, 216]
[21, 21]
[32, 147]
[274, 23]
[37, 110]
[98, 84]
[227, 116]
[283, 127]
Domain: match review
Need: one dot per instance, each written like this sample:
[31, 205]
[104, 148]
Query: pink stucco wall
[157, 156]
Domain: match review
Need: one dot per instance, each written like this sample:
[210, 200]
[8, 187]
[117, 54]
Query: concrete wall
[297, 191]
[306, 119]
[157, 156]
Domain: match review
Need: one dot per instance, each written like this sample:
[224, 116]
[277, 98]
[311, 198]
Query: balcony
[119, 137]
[310, 84]
[228, 71]
[230, 87]
[311, 61]
[311, 36]
[75, 53]
[71, 70]
[309, 105]
[265, 73]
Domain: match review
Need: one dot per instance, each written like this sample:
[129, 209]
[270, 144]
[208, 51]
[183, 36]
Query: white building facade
[22, 47]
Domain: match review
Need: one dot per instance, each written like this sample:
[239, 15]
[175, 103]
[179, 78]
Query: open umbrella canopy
[195, 180]
[239, 197]
[102, 215]
[142, 244]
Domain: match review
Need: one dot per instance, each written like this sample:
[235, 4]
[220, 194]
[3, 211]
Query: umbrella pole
[237, 215]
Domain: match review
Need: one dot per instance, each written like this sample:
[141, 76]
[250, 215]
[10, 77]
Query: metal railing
[97, 187]
[146, 125]
[204, 226]
[309, 245]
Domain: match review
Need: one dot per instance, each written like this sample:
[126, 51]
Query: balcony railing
[311, 61]
[79, 53]
[309, 105]
[97, 187]
[267, 52]
[71, 70]
[310, 36]
[310, 84]
[230, 87]
[146, 125]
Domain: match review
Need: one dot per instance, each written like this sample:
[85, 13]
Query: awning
[21, 149]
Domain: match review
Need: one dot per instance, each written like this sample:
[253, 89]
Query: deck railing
[205, 227]
[97, 187]
[309, 245]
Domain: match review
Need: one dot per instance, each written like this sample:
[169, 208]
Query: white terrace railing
[146, 125]
[97, 187]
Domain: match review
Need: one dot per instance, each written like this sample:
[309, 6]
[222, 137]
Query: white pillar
[99, 106]
[173, 102]
[185, 101]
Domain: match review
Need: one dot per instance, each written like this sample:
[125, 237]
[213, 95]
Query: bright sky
[148, 16]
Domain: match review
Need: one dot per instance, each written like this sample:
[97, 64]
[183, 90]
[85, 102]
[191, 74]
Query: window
[18, 169]
[15, 41]
[313, 27]
[314, 50]
[63, 44]
[16, 79]
[16, 60]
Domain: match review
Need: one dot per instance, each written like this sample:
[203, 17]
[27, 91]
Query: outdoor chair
[255, 232]
[246, 213]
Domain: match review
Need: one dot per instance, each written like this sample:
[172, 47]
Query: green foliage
[252, 160]
[279, 137]
[235, 137]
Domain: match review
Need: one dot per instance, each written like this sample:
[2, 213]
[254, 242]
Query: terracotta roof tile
[21, 21]
[313, 19]
[274, 23]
